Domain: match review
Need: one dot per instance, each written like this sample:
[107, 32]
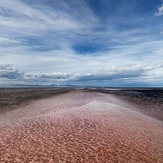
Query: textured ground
[11, 98]
[80, 127]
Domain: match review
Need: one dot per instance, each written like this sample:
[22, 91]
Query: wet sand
[80, 127]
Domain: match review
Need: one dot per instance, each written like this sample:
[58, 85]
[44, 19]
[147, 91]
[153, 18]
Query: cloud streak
[159, 11]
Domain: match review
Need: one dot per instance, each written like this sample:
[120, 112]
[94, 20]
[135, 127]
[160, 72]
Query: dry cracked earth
[80, 127]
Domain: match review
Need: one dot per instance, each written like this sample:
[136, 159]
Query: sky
[111, 43]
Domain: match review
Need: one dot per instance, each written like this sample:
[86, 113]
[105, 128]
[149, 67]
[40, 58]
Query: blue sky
[86, 42]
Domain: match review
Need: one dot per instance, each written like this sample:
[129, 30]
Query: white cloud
[8, 72]
[113, 75]
[159, 11]
[66, 60]
[33, 19]
[7, 41]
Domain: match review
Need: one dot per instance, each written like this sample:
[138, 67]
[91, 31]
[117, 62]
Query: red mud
[80, 127]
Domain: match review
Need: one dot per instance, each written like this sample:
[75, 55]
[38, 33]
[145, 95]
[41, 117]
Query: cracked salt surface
[80, 127]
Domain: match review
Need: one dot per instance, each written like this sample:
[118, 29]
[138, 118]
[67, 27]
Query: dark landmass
[154, 94]
[147, 100]
[13, 97]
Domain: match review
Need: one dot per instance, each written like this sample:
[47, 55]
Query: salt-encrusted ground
[86, 127]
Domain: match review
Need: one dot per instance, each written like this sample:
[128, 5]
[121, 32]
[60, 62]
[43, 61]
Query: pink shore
[79, 127]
